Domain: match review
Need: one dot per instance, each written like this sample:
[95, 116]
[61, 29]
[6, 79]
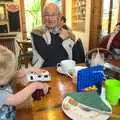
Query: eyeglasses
[50, 15]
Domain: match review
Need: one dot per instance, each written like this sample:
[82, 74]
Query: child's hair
[7, 65]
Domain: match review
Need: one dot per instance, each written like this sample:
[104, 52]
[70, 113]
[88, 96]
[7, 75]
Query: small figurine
[40, 93]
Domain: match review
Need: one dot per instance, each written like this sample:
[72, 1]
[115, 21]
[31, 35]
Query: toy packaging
[90, 77]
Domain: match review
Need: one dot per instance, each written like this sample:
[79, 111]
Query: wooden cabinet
[78, 15]
[9, 18]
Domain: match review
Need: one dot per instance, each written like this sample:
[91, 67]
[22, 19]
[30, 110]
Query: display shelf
[78, 15]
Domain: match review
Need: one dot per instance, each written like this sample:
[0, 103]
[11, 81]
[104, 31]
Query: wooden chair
[25, 56]
[107, 55]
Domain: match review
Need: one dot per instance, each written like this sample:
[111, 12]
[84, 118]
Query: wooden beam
[22, 19]
[95, 23]
[110, 16]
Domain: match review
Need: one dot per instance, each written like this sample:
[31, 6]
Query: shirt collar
[54, 30]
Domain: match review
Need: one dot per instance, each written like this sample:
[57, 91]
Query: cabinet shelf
[3, 22]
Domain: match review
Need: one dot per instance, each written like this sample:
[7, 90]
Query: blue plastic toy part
[90, 76]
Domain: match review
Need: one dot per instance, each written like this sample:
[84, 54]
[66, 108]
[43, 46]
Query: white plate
[59, 70]
[80, 112]
[76, 68]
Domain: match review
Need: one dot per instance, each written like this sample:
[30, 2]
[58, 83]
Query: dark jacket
[53, 53]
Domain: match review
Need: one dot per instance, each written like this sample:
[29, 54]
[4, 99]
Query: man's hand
[64, 34]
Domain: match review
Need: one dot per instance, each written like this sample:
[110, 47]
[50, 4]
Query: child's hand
[21, 74]
[39, 85]
[23, 95]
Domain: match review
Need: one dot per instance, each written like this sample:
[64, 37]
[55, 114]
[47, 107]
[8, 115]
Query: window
[33, 17]
[109, 17]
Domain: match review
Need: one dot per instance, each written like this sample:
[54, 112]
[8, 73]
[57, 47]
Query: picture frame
[2, 12]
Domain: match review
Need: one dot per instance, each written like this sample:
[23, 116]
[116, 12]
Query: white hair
[52, 5]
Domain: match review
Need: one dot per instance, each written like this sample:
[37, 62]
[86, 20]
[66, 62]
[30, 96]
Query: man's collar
[54, 30]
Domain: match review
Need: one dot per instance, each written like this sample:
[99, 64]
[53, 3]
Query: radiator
[9, 43]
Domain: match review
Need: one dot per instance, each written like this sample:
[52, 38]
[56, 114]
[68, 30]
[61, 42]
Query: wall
[84, 36]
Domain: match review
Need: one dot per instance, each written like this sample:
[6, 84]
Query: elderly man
[49, 47]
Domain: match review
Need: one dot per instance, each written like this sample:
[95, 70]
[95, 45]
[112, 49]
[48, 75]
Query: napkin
[91, 99]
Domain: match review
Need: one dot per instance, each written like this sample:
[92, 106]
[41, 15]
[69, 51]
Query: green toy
[112, 90]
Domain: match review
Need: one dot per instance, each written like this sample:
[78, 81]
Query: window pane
[32, 14]
[105, 17]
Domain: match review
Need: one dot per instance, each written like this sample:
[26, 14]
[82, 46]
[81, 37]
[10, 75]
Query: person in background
[49, 41]
[64, 26]
[63, 23]
[9, 99]
[112, 42]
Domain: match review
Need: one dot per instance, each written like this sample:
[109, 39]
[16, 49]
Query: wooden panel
[22, 18]
[63, 7]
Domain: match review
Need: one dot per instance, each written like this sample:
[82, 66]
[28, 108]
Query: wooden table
[49, 107]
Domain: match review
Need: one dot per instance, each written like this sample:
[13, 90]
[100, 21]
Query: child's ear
[15, 79]
[18, 82]
[22, 81]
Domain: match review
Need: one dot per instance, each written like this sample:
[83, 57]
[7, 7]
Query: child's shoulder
[7, 112]
[6, 88]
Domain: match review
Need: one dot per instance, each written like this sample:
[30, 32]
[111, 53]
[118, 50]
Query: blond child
[8, 99]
